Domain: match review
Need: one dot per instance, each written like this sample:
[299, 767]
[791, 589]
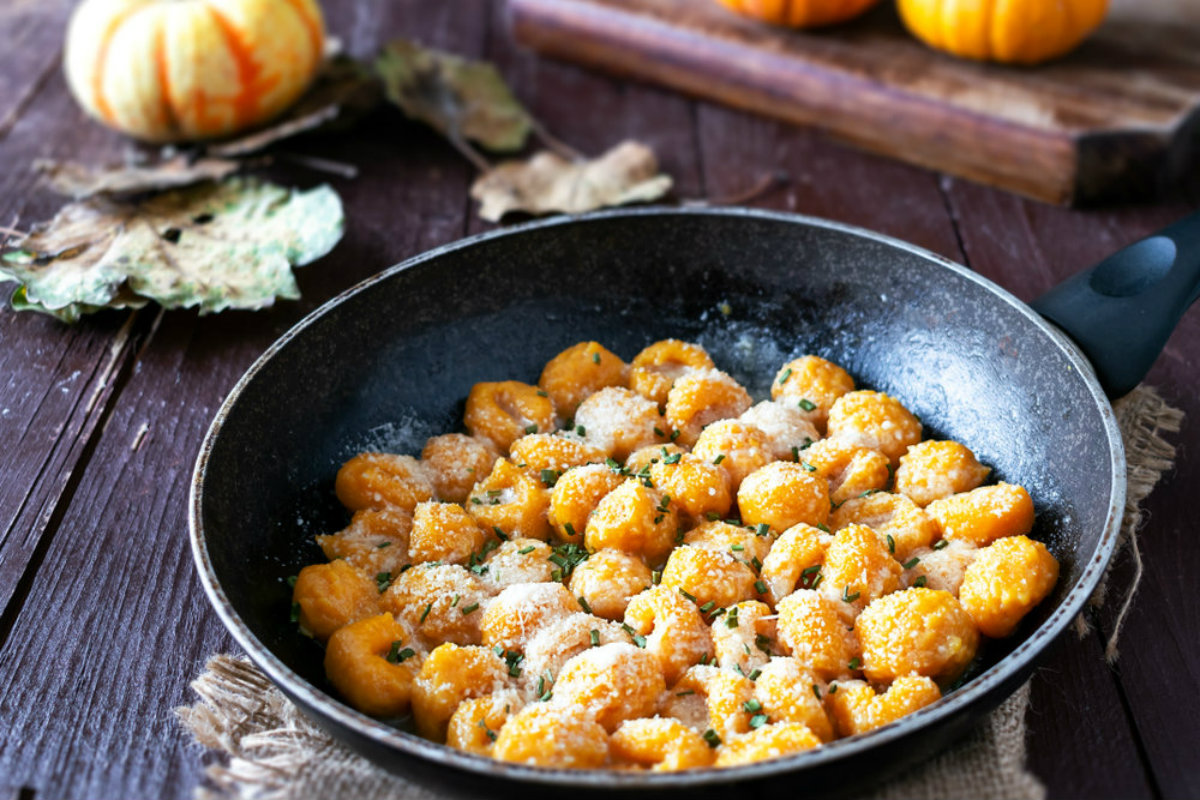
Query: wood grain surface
[1117, 116]
[102, 623]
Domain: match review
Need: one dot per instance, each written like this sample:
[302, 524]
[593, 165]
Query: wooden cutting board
[1118, 118]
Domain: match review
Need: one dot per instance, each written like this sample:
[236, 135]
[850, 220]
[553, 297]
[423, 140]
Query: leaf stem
[469, 153]
[554, 143]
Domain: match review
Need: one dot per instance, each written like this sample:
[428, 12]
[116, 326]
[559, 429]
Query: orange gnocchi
[634, 566]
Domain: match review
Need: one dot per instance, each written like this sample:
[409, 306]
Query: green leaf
[548, 183]
[214, 246]
[462, 99]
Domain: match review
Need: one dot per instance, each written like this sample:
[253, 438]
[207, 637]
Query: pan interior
[389, 364]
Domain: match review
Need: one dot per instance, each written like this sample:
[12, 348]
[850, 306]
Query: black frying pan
[389, 363]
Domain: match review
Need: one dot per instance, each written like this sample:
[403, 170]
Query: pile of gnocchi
[634, 566]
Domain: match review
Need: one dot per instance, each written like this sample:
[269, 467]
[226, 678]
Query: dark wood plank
[33, 36]
[115, 625]
[823, 179]
[57, 380]
[1116, 114]
[1028, 248]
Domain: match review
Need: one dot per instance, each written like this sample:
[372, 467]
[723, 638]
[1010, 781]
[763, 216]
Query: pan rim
[1017, 663]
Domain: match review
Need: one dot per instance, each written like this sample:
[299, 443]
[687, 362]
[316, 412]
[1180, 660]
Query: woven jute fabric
[267, 749]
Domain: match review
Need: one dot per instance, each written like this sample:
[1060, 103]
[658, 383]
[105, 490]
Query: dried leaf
[80, 181]
[215, 246]
[546, 183]
[462, 99]
[343, 93]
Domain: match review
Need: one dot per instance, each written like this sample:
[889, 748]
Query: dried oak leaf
[216, 246]
[548, 183]
[344, 92]
[80, 181]
[460, 98]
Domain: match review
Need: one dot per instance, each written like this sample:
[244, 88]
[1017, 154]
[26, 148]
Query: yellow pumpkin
[1008, 31]
[800, 13]
[170, 70]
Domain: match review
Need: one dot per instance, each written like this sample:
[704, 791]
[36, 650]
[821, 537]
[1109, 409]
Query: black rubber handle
[1122, 311]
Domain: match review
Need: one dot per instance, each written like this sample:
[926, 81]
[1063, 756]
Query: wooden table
[102, 621]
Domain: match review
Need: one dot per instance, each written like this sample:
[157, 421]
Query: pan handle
[1122, 311]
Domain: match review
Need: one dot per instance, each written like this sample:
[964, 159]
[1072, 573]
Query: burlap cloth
[267, 750]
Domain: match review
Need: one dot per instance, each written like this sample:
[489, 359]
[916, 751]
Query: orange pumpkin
[801, 13]
[1008, 31]
[170, 70]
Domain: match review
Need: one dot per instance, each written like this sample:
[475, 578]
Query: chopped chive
[912, 562]
[941, 543]
[549, 476]
[731, 618]
[754, 562]
[685, 692]
[491, 734]
[739, 669]
[787, 373]
[675, 434]
[291, 581]
[470, 608]
[425, 613]
[807, 443]
[595, 358]
[594, 636]
[807, 405]
[583, 603]
[582, 431]
[920, 582]
[891, 544]
[454, 602]
[707, 607]
[524, 551]
[795, 453]
[846, 596]
[639, 640]
[712, 738]
[808, 466]
[816, 691]
[531, 428]
[754, 673]
[855, 663]
[542, 393]
[758, 720]
[570, 529]
[612, 464]
[659, 431]
[396, 655]
[720, 457]
[822, 527]
[382, 581]
[737, 548]
[476, 501]
[499, 533]
[673, 458]
[760, 587]
[688, 595]
[382, 545]
[763, 643]
[656, 576]
[833, 687]
[762, 529]
[295, 612]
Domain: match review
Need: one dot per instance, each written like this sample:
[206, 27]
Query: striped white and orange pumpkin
[172, 70]
[801, 13]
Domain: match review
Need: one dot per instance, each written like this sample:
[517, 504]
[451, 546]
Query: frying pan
[388, 363]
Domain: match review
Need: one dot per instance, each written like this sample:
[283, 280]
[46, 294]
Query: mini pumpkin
[800, 13]
[171, 70]
[1012, 31]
